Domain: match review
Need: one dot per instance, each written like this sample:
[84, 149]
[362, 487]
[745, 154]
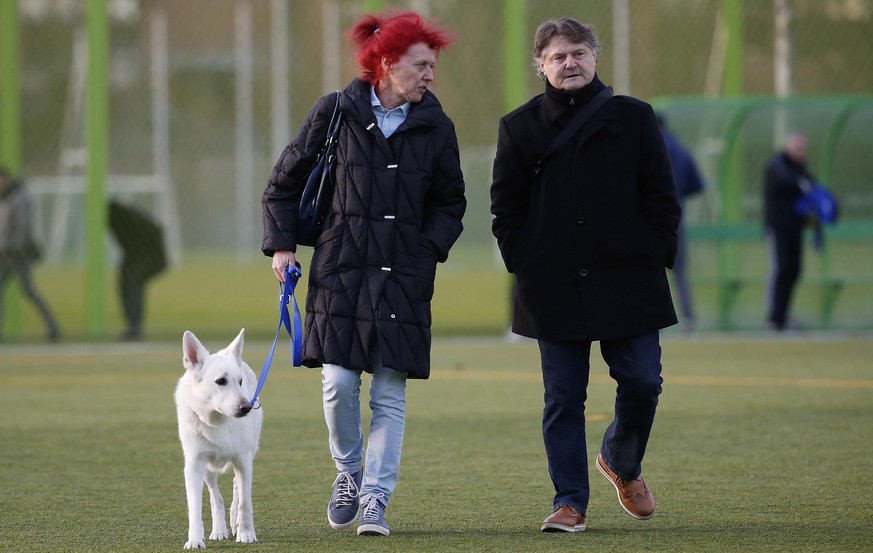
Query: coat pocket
[426, 270]
[323, 266]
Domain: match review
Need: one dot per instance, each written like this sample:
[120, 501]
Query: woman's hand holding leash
[281, 260]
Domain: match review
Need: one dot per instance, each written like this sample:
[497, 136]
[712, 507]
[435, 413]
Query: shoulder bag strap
[575, 124]
[334, 120]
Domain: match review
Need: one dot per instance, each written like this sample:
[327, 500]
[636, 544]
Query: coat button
[583, 272]
[393, 316]
[580, 220]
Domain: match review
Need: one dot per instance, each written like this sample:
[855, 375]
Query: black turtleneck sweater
[562, 105]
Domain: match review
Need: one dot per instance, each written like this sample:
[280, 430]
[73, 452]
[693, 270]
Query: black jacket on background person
[396, 212]
[590, 238]
[784, 183]
[140, 238]
[782, 189]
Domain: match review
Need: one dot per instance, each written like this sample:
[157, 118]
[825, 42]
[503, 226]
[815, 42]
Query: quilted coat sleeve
[281, 198]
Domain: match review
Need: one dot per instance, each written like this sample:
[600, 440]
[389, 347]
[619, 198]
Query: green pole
[733, 87]
[828, 293]
[514, 53]
[373, 6]
[731, 167]
[514, 66]
[10, 133]
[730, 214]
[10, 100]
[97, 130]
[733, 67]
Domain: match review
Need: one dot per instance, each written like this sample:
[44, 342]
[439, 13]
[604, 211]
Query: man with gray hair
[585, 215]
[786, 179]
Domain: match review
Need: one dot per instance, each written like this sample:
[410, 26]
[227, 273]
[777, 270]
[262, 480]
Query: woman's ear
[386, 64]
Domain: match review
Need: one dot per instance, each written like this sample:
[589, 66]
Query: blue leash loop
[292, 275]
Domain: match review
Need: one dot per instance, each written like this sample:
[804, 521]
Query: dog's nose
[243, 409]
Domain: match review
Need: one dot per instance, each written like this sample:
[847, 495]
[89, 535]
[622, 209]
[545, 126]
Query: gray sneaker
[344, 502]
[373, 517]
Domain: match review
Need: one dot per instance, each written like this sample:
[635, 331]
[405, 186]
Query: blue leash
[292, 275]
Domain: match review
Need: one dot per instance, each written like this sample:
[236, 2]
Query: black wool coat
[782, 189]
[590, 237]
[395, 214]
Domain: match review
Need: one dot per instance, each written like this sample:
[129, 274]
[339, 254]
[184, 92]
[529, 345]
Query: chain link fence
[204, 94]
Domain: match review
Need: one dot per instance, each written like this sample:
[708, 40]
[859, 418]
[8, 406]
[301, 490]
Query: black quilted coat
[396, 212]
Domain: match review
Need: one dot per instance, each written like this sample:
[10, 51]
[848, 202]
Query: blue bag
[819, 205]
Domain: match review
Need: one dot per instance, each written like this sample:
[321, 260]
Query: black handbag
[318, 192]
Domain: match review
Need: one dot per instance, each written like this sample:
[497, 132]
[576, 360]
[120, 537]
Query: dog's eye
[221, 381]
[240, 381]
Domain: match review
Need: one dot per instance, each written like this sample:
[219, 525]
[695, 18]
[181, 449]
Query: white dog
[218, 430]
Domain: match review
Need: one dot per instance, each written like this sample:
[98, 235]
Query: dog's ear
[193, 352]
[236, 347]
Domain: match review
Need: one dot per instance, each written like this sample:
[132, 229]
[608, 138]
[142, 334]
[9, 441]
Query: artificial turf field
[760, 444]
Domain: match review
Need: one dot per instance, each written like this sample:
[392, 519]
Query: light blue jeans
[341, 390]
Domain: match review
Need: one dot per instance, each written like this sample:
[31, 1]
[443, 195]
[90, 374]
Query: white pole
[420, 6]
[161, 134]
[280, 90]
[782, 48]
[331, 38]
[781, 67]
[73, 155]
[621, 48]
[715, 69]
[245, 220]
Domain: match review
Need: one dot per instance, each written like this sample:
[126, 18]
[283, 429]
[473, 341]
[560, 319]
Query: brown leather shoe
[564, 519]
[634, 496]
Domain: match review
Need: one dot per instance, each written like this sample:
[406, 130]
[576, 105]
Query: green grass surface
[758, 446]
[215, 293]
[210, 293]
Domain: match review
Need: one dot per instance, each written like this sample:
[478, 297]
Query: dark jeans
[20, 268]
[132, 287]
[635, 364]
[786, 257]
[680, 275]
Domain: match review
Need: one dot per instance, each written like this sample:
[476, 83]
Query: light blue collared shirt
[387, 119]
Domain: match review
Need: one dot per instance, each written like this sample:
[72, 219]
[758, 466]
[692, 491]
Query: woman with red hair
[395, 213]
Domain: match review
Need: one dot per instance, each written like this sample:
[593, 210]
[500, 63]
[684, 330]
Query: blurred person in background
[786, 179]
[144, 256]
[396, 212]
[688, 183]
[18, 248]
[589, 234]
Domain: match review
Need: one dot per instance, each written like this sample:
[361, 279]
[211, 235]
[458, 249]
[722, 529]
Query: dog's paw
[218, 534]
[195, 544]
[246, 536]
